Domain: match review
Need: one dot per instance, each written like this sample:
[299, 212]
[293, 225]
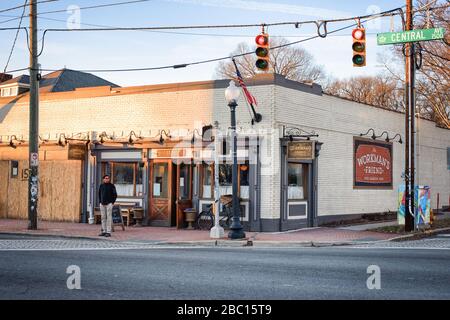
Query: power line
[81, 8]
[9, 20]
[321, 25]
[209, 60]
[397, 11]
[318, 23]
[183, 33]
[24, 6]
[15, 38]
[370, 17]
[97, 6]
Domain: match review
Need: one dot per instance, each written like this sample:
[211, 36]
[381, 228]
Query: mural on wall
[372, 164]
[423, 205]
[422, 198]
[401, 205]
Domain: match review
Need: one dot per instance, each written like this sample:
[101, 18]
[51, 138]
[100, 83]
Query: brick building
[305, 164]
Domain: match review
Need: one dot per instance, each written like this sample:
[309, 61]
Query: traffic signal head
[359, 47]
[262, 51]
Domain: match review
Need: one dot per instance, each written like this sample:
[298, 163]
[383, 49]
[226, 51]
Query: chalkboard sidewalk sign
[117, 217]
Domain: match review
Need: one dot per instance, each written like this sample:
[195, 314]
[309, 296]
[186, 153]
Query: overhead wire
[320, 24]
[214, 59]
[185, 33]
[105, 5]
[15, 38]
[24, 6]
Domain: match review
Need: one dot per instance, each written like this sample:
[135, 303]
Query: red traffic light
[262, 40]
[262, 51]
[358, 34]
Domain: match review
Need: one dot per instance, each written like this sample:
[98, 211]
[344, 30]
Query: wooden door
[184, 192]
[161, 193]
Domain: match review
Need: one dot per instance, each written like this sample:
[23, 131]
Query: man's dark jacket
[107, 193]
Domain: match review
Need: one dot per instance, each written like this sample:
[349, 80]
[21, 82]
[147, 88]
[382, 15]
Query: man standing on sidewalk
[107, 195]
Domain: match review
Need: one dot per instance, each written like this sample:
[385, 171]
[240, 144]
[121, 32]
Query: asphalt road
[226, 273]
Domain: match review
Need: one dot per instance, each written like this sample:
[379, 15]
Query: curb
[249, 242]
[260, 244]
[55, 236]
[416, 236]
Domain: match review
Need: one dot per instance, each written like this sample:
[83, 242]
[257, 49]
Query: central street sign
[410, 36]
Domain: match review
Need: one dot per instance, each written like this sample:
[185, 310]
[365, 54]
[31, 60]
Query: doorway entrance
[170, 192]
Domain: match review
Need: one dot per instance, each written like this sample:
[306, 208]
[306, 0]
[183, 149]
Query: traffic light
[262, 51]
[359, 47]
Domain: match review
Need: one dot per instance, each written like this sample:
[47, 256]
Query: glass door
[184, 192]
[161, 193]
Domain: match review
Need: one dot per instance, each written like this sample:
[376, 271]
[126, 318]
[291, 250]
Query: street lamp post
[232, 94]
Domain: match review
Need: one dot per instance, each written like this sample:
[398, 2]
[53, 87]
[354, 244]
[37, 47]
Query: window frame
[202, 168]
[136, 169]
[305, 173]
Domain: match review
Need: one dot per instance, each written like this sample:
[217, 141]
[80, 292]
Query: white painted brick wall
[337, 121]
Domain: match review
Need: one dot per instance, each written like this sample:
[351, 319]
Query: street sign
[34, 160]
[410, 36]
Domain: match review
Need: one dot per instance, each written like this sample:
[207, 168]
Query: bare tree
[432, 81]
[379, 91]
[432, 85]
[295, 63]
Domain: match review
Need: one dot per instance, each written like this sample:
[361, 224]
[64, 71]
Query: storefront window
[139, 178]
[185, 182]
[122, 177]
[160, 180]
[126, 176]
[296, 188]
[244, 170]
[225, 179]
[207, 178]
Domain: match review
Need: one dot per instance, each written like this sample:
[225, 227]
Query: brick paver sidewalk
[173, 235]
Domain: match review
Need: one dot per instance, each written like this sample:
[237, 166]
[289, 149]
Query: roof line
[59, 77]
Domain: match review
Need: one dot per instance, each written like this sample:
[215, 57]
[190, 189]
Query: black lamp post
[232, 94]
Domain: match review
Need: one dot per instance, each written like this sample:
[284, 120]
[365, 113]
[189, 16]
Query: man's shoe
[102, 234]
[107, 234]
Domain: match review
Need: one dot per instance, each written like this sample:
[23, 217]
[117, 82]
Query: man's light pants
[106, 211]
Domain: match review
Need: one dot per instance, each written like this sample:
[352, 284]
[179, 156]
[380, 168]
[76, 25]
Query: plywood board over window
[18, 195]
[65, 191]
[4, 178]
[59, 191]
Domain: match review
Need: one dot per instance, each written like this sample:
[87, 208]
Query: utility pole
[410, 69]
[33, 182]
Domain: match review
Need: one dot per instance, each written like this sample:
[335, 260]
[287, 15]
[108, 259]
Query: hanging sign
[301, 150]
[372, 162]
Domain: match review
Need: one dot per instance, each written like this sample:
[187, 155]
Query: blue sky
[106, 50]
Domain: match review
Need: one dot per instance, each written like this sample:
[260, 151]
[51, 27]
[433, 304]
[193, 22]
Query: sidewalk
[173, 236]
